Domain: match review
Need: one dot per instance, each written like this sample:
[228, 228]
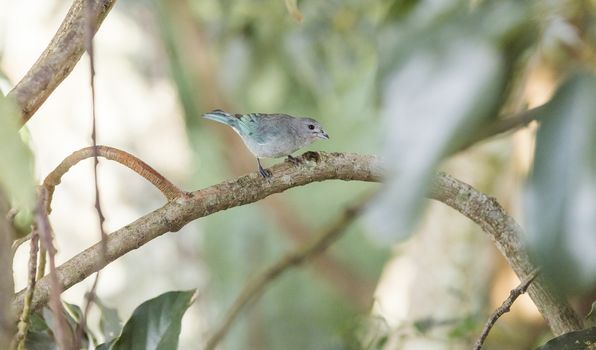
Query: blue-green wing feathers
[244, 124]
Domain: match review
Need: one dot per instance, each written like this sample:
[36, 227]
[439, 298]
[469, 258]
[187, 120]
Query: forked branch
[483, 210]
[169, 190]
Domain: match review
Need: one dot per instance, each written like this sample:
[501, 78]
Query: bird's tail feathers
[222, 117]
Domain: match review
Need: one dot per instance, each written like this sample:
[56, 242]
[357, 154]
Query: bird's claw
[294, 160]
[266, 174]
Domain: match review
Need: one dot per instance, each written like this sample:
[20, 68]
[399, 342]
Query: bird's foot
[294, 160]
[266, 174]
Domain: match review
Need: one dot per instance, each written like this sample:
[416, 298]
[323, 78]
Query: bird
[271, 135]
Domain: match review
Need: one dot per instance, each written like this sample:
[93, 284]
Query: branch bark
[7, 315]
[60, 57]
[506, 234]
[169, 190]
[483, 210]
[504, 308]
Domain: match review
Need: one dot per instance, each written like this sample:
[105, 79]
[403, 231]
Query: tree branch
[46, 235]
[504, 308]
[316, 167]
[23, 324]
[59, 58]
[7, 314]
[506, 234]
[169, 190]
[256, 287]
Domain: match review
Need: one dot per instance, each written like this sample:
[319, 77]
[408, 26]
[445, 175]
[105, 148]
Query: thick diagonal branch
[482, 209]
[60, 57]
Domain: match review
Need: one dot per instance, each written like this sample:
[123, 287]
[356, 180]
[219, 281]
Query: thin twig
[89, 31]
[504, 125]
[254, 289]
[41, 267]
[23, 325]
[505, 307]
[17, 243]
[168, 189]
[46, 236]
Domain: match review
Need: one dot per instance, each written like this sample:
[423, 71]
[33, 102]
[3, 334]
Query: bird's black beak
[323, 135]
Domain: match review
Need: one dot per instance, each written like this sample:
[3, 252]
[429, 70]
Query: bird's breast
[274, 148]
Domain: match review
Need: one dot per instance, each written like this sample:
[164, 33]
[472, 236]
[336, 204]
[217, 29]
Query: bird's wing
[254, 125]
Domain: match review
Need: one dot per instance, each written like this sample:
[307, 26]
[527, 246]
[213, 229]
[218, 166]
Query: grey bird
[271, 135]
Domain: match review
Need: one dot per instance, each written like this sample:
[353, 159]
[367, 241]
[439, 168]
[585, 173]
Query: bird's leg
[293, 160]
[264, 172]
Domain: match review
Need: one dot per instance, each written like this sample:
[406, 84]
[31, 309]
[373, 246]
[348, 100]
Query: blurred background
[161, 64]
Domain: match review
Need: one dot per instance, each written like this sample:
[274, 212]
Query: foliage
[411, 80]
[580, 340]
[561, 196]
[155, 324]
[16, 164]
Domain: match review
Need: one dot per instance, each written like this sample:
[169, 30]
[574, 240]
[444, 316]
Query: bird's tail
[222, 117]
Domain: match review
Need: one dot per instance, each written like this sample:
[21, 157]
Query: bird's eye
[311, 127]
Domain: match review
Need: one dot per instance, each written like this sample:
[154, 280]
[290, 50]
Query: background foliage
[414, 81]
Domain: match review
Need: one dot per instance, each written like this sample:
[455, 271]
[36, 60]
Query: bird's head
[312, 129]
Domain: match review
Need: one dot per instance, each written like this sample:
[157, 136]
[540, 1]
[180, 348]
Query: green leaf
[37, 323]
[74, 315]
[38, 337]
[579, 340]
[106, 346]
[40, 341]
[155, 324]
[109, 323]
[16, 159]
[561, 192]
[22, 222]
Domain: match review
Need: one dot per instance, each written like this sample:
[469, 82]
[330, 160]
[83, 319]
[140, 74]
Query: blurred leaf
[37, 323]
[441, 92]
[579, 340]
[446, 75]
[73, 315]
[424, 324]
[22, 222]
[109, 323]
[155, 324]
[106, 346]
[16, 159]
[39, 341]
[38, 336]
[293, 10]
[591, 316]
[561, 193]
[464, 327]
